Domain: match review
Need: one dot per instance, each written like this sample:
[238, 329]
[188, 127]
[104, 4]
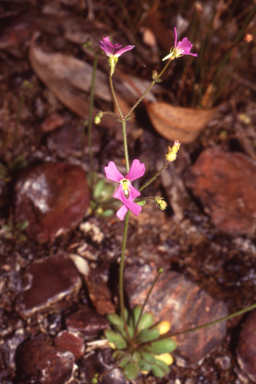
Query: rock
[226, 185]
[67, 141]
[44, 363]
[99, 291]
[70, 342]
[183, 304]
[52, 122]
[99, 362]
[87, 322]
[48, 280]
[246, 348]
[53, 198]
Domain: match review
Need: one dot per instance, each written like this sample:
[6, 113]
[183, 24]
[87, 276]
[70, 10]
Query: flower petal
[112, 172]
[137, 170]
[135, 208]
[185, 46]
[123, 50]
[122, 212]
[133, 193]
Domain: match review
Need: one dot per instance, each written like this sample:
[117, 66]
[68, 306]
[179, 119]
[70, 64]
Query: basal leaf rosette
[137, 345]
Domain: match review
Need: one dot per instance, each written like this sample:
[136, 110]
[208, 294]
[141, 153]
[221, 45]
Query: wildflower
[113, 51]
[181, 48]
[126, 192]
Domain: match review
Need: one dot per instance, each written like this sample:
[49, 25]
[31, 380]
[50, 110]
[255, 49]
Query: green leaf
[144, 365]
[147, 319]
[136, 313]
[158, 371]
[141, 203]
[162, 365]
[98, 189]
[107, 213]
[161, 346]
[116, 338]
[131, 371]
[114, 319]
[148, 335]
[148, 357]
[125, 360]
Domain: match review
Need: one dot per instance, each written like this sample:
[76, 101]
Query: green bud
[141, 203]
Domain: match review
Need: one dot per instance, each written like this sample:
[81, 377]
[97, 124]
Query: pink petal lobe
[133, 193]
[137, 170]
[135, 208]
[112, 172]
[123, 50]
[122, 212]
[119, 194]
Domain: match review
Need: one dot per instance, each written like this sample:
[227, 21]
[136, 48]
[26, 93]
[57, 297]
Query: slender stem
[90, 121]
[211, 323]
[121, 272]
[146, 300]
[149, 87]
[154, 177]
[114, 96]
[123, 124]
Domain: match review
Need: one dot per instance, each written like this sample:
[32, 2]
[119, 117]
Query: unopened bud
[161, 203]
[98, 117]
[172, 151]
[154, 74]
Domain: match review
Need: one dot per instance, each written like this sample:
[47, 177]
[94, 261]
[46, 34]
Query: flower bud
[98, 117]
[172, 151]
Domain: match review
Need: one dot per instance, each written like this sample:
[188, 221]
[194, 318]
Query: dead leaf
[68, 78]
[178, 123]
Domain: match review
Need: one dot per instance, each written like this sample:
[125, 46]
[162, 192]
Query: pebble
[44, 363]
[53, 198]
[86, 322]
[183, 304]
[49, 280]
[226, 185]
[70, 342]
[99, 362]
[246, 348]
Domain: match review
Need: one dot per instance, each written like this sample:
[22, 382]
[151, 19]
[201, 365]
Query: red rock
[87, 322]
[52, 122]
[246, 348]
[182, 303]
[226, 185]
[53, 198]
[70, 342]
[44, 363]
[49, 280]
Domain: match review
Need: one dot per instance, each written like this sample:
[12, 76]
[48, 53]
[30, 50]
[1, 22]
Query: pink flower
[126, 192]
[181, 48]
[111, 49]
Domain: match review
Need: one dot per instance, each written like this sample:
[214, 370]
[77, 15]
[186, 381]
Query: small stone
[182, 303]
[48, 280]
[52, 122]
[99, 291]
[87, 322]
[53, 198]
[70, 342]
[246, 349]
[100, 362]
[44, 363]
[226, 185]
[224, 362]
